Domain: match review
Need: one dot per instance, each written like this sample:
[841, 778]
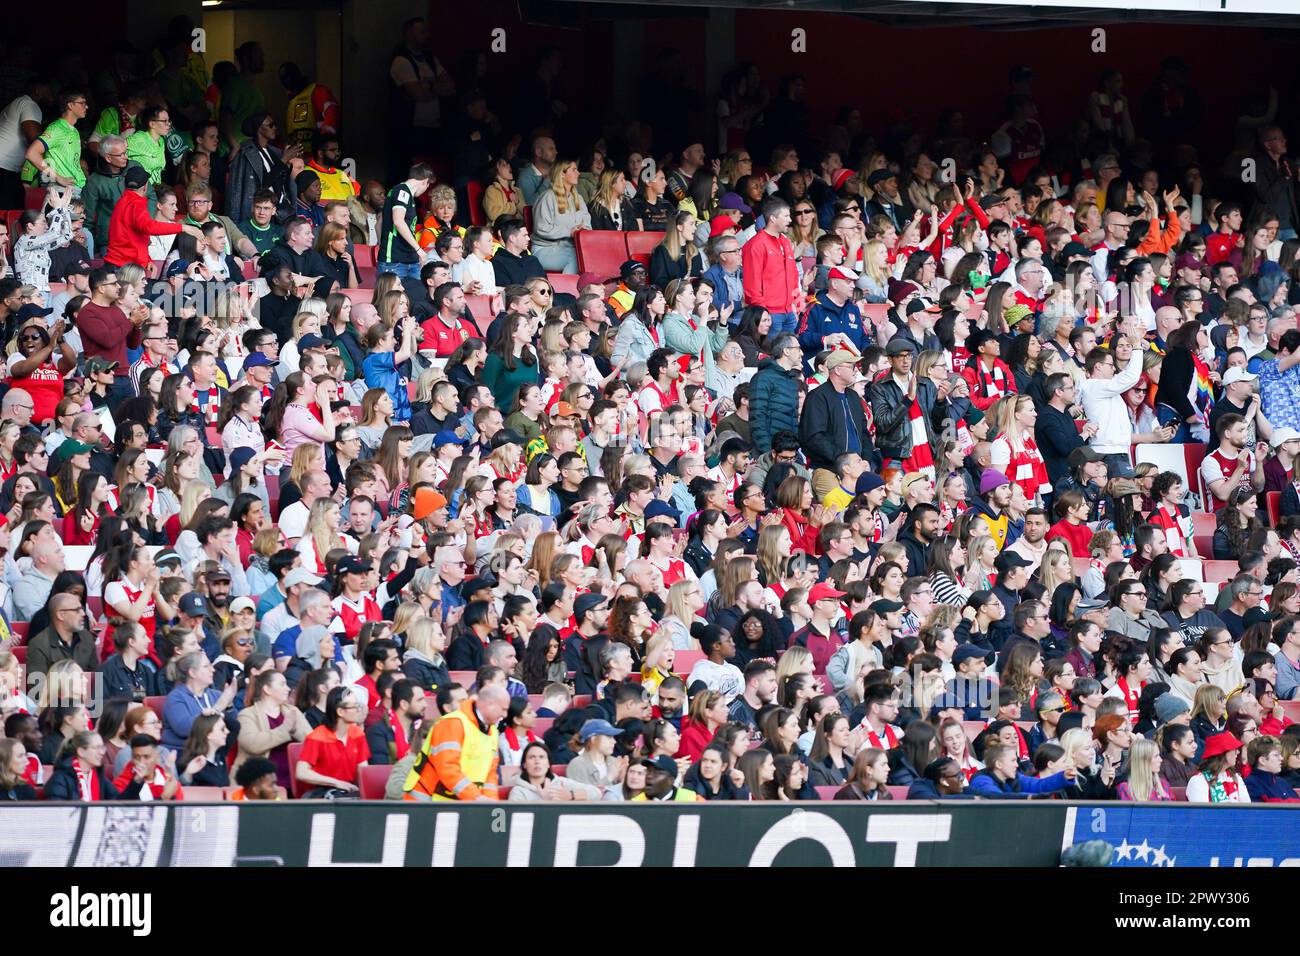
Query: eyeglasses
[244, 641]
[804, 212]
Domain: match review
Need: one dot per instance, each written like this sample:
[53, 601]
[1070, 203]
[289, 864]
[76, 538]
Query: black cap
[135, 177]
[1009, 559]
[507, 436]
[885, 606]
[583, 605]
[352, 565]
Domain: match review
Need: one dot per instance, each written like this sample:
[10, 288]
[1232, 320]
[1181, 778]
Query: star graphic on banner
[1142, 851]
[1121, 851]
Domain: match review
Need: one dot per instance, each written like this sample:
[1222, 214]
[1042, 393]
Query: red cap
[720, 224]
[821, 592]
[841, 177]
[839, 272]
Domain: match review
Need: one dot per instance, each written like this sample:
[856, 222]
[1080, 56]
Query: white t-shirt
[13, 147]
[426, 113]
[725, 678]
[293, 520]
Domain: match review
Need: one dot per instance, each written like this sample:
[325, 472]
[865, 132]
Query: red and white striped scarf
[922, 458]
[1027, 468]
[992, 384]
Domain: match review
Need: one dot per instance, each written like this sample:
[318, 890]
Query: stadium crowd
[901, 463]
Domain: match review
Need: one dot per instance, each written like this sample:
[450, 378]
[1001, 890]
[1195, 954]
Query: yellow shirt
[837, 499]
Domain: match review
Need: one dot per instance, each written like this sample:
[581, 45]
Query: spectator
[333, 754]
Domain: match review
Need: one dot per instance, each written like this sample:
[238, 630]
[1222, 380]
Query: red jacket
[802, 533]
[768, 273]
[129, 229]
[695, 737]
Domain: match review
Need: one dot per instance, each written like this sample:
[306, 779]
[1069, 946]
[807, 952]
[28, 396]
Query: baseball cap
[1187, 261]
[134, 177]
[1089, 604]
[965, 652]
[585, 603]
[310, 341]
[1075, 249]
[591, 278]
[448, 437]
[300, 576]
[823, 592]
[988, 202]
[1237, 374]
[77, 267]
[899, 345]
[839, 272]
[880, 175]
[427, 501]
[256, 360]
[663, 763]
[564, 410]
[1082, 455]
[194, 604]
[1007, 560]
[352, 565]
[661, 509]
[913, 478]
[630, 266]
[1283, 435]
[507, 436]
[70, 448]
[97, 363]
[885, 606]
[600, 728]
[244, 603]
[217, 574]
[840, 357]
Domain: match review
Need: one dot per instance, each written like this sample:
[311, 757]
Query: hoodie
[103, 189]
[1265, 787]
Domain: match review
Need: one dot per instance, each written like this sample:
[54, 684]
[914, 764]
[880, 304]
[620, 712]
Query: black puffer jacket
[823, 431]
[63, 785]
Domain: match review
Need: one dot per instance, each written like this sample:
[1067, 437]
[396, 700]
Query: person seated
[1001, 778]
[150, 774]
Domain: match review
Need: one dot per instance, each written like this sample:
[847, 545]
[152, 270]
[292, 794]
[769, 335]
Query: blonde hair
[316, 529]
[304, 457]
[190, 498]
[879, 275]
[563, 194]
[65, 685]
[655, 648]
[605, 193]
[1141, 774]
[796, 660]
[421, 636]
[676, 603]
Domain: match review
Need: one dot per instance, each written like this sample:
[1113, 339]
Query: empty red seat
[898, 793]
[562, 282]
[826, 793]
[480, 306]
[295, 787]
[641, 245]
[156, 705]
[374, 779]
[543, 725]
[683, 661]
[474, 193]
[363, 255]
[463, 678]
[359, 296]
[1273, 503]
[601, 251]
[203, 794]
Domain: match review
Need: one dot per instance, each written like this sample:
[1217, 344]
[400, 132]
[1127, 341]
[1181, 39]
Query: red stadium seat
[1193, 455]
[359, 296]
[1220, 570]
[464, 678]
[641, 246]
[364, 256]
[297, 789]
[535, 700]
[683, 661]
[973, 728]
[474, 193]
[561, 282]
[19, 628]
[876, 309]
[19, 653]
[1273, 504]
[600, 250]
[374, 779]
[1291, 709]
[33, 198]
[898, 793]
[582, 701]
[480, 306]
[560, 769]
[156, 705]
[543, 725]
[826, 793]
[1203, 523]
[96, 606]
[1179, 794]
[1204, 544]
[203, 794]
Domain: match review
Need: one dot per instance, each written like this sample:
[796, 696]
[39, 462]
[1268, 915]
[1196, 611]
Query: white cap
[1283, 435]
[300, 576]
[1237, 374]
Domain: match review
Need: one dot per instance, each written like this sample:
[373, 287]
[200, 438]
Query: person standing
[458, 760]
[768, 274]
[56, 154]
[399, 251]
